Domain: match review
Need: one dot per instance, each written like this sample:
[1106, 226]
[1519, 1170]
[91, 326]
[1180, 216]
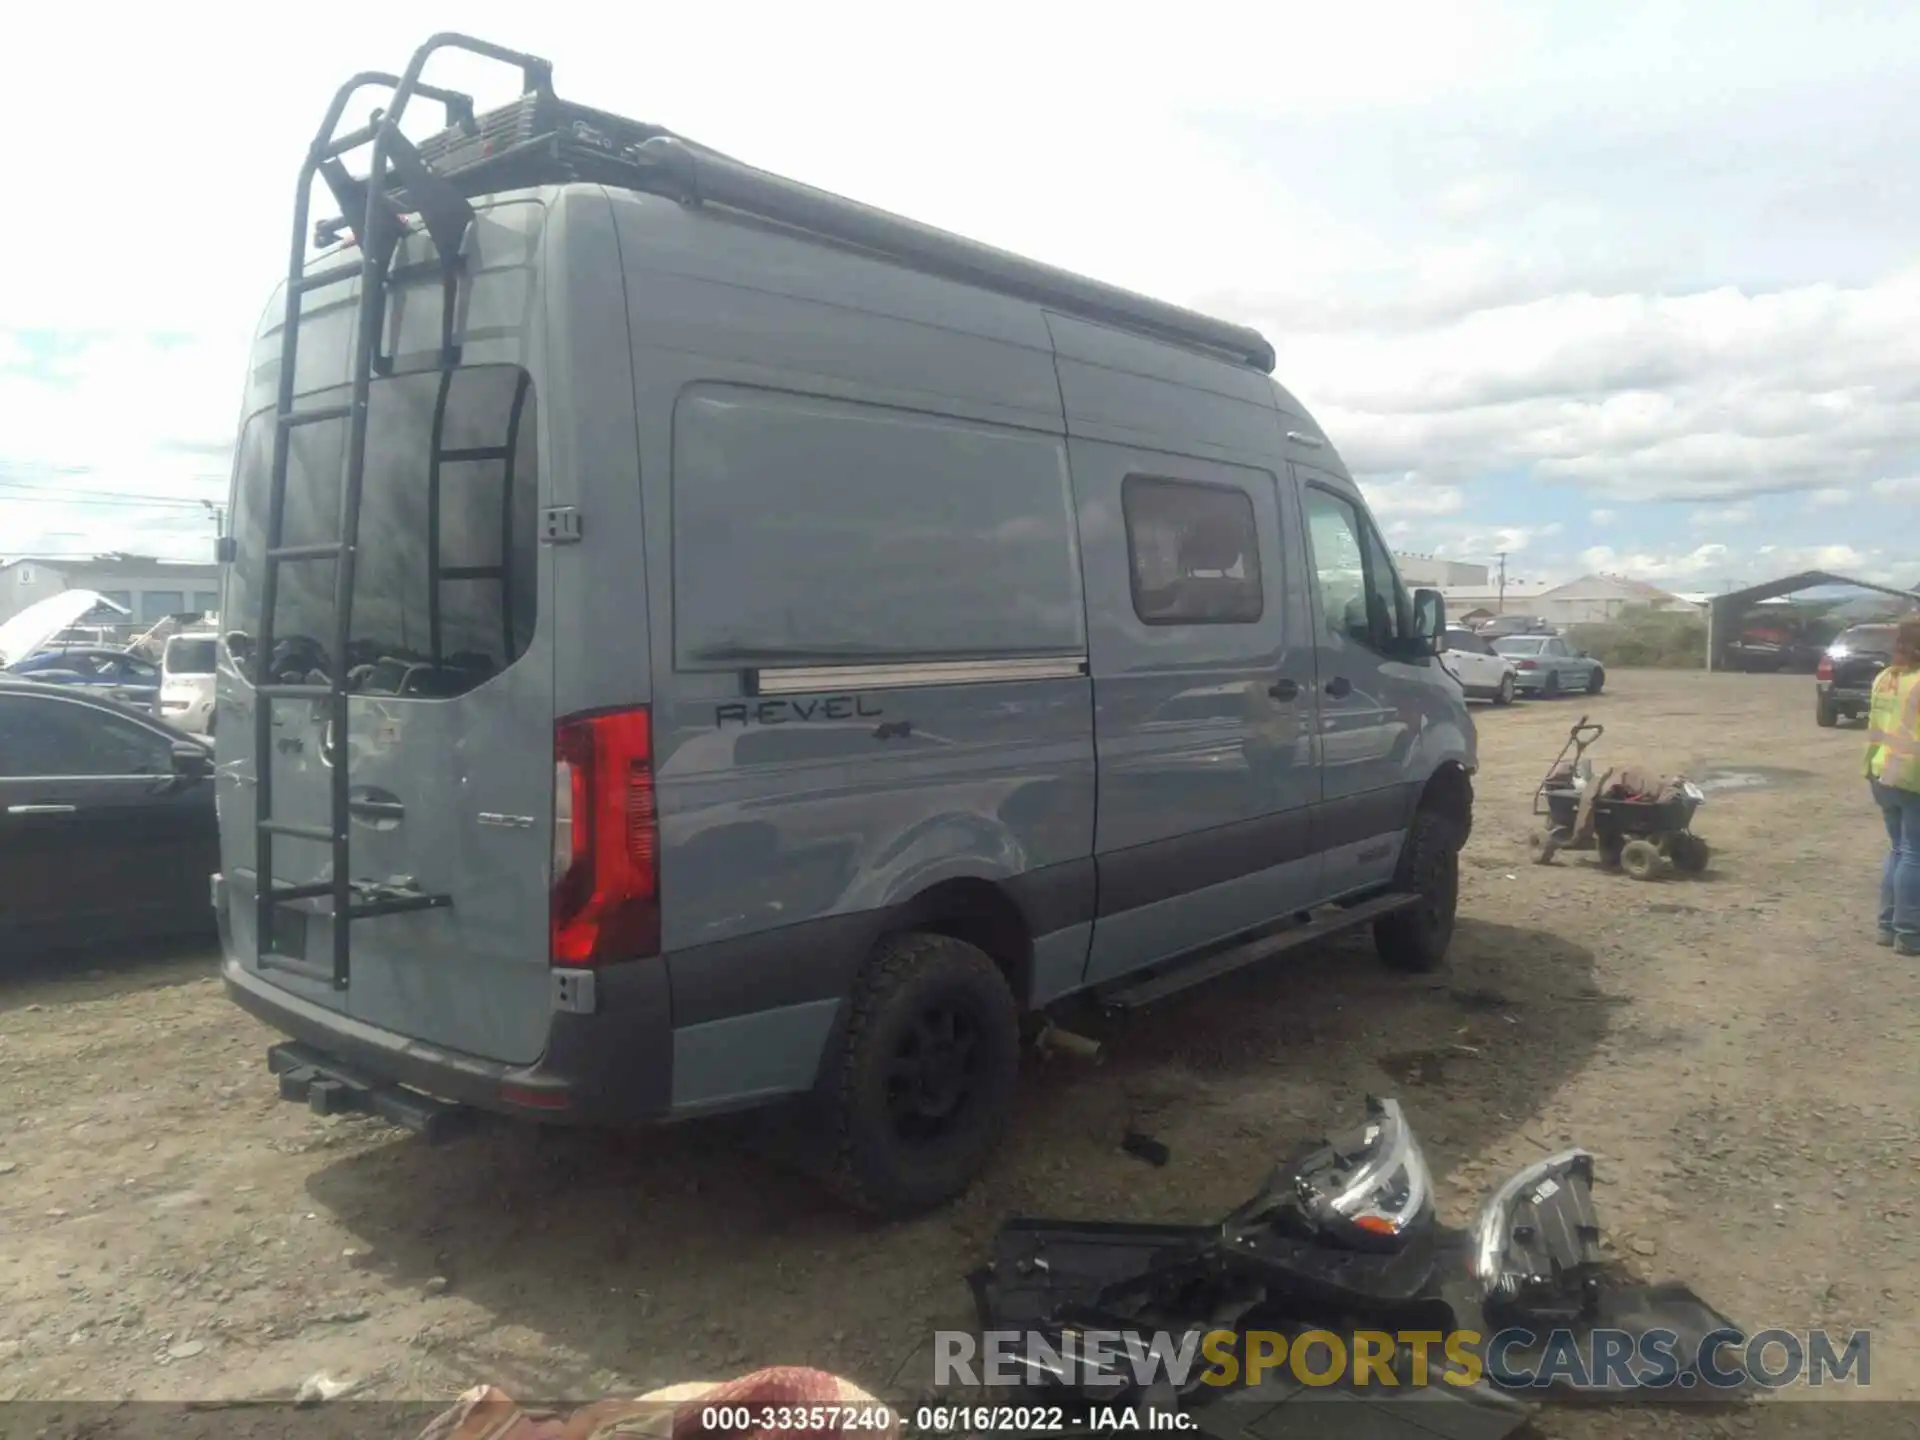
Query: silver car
[1547, 666]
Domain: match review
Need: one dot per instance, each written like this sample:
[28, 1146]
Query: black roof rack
[541, 139]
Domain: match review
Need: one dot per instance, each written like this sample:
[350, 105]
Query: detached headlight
[1536, 1244]
[1370, 1184]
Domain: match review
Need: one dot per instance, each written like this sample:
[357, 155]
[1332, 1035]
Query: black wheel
[1416, 939]
[1595, 681]
[1504, 695]
[1824, 713]
[1550, 688]
[1610, 852]
[922, 1086]
[1689, 853]
[1641, 859]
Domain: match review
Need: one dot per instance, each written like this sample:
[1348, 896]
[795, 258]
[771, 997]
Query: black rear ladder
[445, 217]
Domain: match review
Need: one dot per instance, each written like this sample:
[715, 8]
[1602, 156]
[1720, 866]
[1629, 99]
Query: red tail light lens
[606, 839]
[1825, 670]
[1529, 665]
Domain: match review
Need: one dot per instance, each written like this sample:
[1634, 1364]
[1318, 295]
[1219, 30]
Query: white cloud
[1829, 497]
[1602, 517]
[1718, 517]
[1412, 496]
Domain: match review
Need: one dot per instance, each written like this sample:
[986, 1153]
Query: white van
[187, 669]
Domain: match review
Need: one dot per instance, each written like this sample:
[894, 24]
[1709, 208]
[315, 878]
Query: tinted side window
[1194, 551]
[1360, 597]
[42, 737]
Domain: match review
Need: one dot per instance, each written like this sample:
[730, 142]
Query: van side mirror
[1429, 620]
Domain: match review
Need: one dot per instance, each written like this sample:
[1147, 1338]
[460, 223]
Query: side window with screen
[1360, 597]
[41, 738]
[1194, 550]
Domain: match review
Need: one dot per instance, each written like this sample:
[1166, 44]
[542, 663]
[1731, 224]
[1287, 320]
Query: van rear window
[814, 530]
[444, 588]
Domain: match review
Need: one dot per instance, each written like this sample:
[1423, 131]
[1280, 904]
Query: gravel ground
[1734, 1048]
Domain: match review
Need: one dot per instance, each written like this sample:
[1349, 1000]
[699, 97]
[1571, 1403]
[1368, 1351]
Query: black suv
[1847, 671]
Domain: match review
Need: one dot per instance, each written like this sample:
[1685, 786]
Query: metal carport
[1725, 612]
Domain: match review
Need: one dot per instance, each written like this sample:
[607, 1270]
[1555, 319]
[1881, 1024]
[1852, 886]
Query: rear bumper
[613, 1067]
[1847, 697]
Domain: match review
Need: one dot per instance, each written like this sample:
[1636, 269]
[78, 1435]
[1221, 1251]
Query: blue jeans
[1900, 881]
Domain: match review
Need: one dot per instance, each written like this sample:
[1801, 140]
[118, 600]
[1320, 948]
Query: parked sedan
[107, 829]
[1483, 673]
[99, 670]
[1546, 665]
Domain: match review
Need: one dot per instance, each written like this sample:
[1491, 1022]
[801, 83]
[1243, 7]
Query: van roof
[541, 140]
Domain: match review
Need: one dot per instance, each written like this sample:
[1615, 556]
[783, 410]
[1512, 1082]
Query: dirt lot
[1734, 1048]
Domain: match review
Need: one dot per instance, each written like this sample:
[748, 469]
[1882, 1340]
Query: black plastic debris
[1342, 1239]
[1145, 1147]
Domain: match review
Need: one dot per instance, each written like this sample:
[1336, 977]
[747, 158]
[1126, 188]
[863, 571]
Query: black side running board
[1136, 993]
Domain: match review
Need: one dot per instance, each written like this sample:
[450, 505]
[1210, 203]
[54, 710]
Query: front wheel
[923, 1085]
[1416, 939]
[1504, 695]
[1595, 681]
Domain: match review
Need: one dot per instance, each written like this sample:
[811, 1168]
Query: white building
[150, 589]
[1418, 569]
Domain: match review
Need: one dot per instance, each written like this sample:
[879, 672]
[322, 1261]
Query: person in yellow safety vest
[1893, 773]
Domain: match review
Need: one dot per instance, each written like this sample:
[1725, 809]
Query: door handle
[1339, 686]
[40, 809]
[1284, 689]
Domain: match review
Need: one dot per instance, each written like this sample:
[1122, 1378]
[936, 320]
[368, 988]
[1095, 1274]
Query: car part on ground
[1530, 1271]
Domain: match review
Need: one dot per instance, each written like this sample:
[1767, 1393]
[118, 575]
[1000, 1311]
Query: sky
[1632, 288]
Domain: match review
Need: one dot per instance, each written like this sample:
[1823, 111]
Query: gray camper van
[692, 642]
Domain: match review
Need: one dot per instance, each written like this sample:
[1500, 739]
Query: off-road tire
[868, 1164]
[1415, 940]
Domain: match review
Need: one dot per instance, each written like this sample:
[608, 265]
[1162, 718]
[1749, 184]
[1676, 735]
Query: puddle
[1745, 777]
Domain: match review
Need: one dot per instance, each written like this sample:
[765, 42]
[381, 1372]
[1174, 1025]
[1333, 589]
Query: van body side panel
[844, 464]
[1204, 728]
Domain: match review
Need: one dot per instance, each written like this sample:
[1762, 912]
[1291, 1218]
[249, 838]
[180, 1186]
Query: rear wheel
[1550, 687]
[1416, 939]
[1504, 695]
[1825, 714]
[1689, 852]
[1641, 859]
[923, 1084]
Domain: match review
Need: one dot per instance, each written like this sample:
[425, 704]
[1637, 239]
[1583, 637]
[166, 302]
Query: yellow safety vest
[1893, 730]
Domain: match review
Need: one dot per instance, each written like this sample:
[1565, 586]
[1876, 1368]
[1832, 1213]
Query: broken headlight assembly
[1536, 1243]
[1367, 1187]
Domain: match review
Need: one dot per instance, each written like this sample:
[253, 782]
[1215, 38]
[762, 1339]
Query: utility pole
[1500, 605]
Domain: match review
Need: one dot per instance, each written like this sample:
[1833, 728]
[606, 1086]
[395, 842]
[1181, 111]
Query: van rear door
[449, 746]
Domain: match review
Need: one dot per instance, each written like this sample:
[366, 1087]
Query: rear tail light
[1529, 665]
[1825, 670]
[606, 839]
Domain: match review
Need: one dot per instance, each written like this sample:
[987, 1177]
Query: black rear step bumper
[613, 1068]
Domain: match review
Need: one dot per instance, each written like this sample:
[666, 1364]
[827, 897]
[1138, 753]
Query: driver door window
[1360, 597]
